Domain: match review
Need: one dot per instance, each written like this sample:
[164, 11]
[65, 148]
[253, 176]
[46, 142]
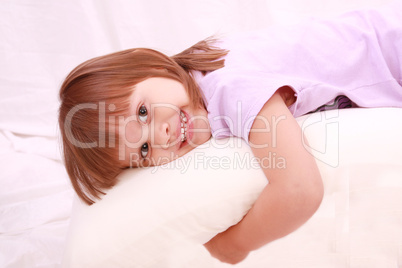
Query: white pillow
[152, 212]
[160, 217]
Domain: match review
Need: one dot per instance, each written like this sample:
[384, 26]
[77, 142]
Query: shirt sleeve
[235, 99]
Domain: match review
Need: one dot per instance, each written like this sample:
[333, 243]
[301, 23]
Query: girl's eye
[143, 114]
[144, 150]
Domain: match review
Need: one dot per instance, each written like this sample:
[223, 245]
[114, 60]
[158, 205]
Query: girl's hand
[224, 251]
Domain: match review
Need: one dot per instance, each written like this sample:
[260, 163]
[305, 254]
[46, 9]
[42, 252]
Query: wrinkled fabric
[358, 55]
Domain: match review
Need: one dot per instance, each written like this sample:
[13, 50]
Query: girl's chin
[201, 139]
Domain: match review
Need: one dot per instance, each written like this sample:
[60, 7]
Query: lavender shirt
[358, 56]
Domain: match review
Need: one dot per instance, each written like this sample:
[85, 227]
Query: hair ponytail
[203, 57]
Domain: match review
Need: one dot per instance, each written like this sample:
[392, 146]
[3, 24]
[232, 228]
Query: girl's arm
[293, 194]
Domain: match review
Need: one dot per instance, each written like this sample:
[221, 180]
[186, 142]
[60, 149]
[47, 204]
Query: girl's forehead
[158, 89]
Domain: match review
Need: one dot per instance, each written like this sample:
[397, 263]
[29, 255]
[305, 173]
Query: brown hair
[98, 90]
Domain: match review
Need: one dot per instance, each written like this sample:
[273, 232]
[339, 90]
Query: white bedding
[41, 41]
[160, 217]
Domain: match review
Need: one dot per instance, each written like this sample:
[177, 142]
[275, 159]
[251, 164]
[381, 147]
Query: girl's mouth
[183, 126]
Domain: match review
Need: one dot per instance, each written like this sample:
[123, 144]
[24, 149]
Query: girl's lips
[182, 144]
[181, 132]
[186, 124]
[189, 133]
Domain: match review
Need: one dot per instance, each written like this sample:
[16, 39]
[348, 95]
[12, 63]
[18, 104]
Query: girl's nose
[162, 137]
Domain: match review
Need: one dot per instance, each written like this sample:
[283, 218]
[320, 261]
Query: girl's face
[162, 125]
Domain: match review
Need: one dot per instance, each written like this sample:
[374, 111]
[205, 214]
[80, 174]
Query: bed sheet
[41, 41]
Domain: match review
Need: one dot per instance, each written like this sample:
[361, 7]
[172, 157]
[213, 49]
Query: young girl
[139, 107]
